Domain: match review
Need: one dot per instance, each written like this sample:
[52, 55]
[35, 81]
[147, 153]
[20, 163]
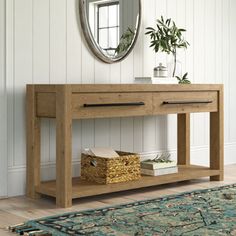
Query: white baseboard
[199, 155]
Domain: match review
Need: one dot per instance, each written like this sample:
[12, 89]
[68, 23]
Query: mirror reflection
[113, 25]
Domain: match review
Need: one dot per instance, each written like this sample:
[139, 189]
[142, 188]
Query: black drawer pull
[185, 102]
[115, 104]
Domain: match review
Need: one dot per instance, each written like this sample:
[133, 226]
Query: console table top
[89, 88]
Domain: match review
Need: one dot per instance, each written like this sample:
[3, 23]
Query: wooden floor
[19, 209]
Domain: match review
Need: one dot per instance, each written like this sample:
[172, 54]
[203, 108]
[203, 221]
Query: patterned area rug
[202, 212]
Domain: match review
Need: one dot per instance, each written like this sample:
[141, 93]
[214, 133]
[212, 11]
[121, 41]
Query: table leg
[217, 140]
[183, 139]
[33, 145]
[63, 146]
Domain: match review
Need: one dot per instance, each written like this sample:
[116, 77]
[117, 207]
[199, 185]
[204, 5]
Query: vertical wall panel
[181, 22]
[73, 44]
[138, 134]
[218, 41]
[115, 73]
[199, 41]
[102, 126]
[73, 66]
[3, 102]
[210, 52]
[58, 62]
[138, 71]
[87, 77]
[58, 37]
[226, 64]
[149, 134]
[149, 123]
[23, 73]
[87, 134]
[127, 124]
[161, 133]
[41, 46]
[115, 133]
[115, 123]
[101, 135]
[210, 41]
[199, 65]
[149, 17]
[171, 125]
[232, 91]
[189, 53]
[10, 34]
[87, 64]
[41, 65]
[161, 121]
[127, 131]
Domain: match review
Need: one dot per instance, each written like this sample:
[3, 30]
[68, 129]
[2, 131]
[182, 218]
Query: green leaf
[162, 19]
[149, 32]
[185, 75]
[168, 21]
[150, 28]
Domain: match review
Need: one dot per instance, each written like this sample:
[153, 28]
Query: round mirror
[110, 27]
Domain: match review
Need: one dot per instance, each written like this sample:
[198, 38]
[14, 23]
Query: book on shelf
[152, 165]
[162, 171]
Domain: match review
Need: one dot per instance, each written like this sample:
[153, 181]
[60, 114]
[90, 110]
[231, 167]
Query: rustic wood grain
[186, 96]
[80, 112]
[217, 139]
[82, 188]
[33, 144]
[183, 139]
[63, 146]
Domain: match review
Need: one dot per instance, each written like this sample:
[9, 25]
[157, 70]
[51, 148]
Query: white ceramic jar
[160, 71]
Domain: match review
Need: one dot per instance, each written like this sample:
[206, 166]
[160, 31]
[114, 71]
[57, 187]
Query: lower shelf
[81, 188]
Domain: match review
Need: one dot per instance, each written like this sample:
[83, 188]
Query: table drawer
[100, 105]
[184, 102]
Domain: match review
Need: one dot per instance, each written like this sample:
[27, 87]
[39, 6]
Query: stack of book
[157, 168]
[156, 80]
[168, 80]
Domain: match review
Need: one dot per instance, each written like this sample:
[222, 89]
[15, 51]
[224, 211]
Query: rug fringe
[27, 230]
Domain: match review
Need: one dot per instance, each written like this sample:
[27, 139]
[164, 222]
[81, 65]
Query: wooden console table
[68, 102]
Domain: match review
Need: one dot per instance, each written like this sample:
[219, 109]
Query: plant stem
[174, 54]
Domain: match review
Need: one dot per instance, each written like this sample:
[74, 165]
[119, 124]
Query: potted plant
[167, 37]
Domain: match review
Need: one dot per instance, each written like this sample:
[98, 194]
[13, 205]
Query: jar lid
[160, 68]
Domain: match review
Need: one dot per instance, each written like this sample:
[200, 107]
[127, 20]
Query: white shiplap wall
[45, 45]
[3, 104]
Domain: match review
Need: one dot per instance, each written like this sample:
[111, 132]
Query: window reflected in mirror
[113, 26]
[108, 26]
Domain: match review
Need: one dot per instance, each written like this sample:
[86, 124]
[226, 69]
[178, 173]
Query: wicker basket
[102, 170]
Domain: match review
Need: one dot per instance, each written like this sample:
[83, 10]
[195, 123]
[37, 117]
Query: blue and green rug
[202, 212]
